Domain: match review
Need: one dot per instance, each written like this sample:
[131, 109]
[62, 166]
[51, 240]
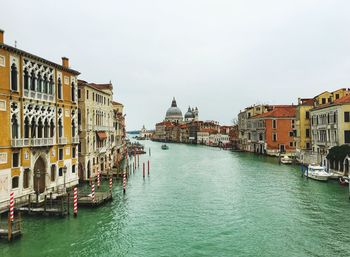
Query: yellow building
[39, 134]
[305, 141]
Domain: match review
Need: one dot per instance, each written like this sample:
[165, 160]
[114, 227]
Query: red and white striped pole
[110, 183]
[143, 172]
[75, 207]
[148, 167]
[12, 206]
[93, 192]
[98, 180]
[124, 182]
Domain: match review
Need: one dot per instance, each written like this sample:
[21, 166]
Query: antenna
[15, 43]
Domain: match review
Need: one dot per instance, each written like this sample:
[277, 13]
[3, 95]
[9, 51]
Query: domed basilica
[174, 114]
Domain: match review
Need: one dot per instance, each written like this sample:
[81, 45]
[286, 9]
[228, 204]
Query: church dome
[174, 112]
[189, 114]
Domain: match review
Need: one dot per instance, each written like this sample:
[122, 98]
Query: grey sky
[217, 55]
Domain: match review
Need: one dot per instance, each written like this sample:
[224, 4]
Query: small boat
[165, 147]
[344, 181]
[317, 172]
[286, 160]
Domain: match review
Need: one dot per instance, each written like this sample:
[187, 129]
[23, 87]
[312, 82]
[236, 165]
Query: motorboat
[286, 160]
[317, 172]
[165, 147]
[344, 181]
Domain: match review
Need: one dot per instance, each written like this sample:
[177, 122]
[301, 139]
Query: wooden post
[51, 199]
[68, 203]
[45, 204]
[9, 228]
[29, 204]
[148, 167]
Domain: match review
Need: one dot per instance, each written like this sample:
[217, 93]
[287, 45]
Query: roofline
[37, 58]
[83, 83]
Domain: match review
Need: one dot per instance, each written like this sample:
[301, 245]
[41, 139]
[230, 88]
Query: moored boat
[317, 172]
[344, 181]
[286, 160]
[165, 147]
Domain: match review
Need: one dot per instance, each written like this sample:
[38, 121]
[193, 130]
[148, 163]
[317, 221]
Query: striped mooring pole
[110, 183]
[98, 180]
[75, 201]
[12, 206]
[93, 192]
[124, 182]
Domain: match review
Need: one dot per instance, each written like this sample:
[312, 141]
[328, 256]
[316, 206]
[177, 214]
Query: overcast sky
[218, 55]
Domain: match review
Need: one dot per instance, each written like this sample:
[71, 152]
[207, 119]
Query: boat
[286, 160]
[165, 147]
[317, 172]
[344, 181]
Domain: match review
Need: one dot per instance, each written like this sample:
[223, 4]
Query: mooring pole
[143, 170]
[149, 151]
[148, 167]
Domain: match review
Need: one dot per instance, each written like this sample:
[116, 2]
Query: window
[308, 146]
[336, 96]
[15, 182]
[59, 88]
[307, 132]
[14, 124]
[346, 117]
[60, 154]
[291, 144]
[274, 124]
[73, 92]
[347, 136]
[307, 115]
[323, 100]
[79, 93]
[14, 77]
[73, 169]
[74, 152]
[15, 160]
[53, 173]
[87, 94]
[26, 178]
[26, 79]
[93, 96]
[274, 137]
[291, 133]
[60, 172]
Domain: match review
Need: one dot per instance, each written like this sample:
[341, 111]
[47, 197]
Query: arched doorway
[39, 175]
[80, 171]
[346, 165]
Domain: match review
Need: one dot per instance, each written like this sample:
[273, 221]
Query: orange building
[273, 131]
[39, 118]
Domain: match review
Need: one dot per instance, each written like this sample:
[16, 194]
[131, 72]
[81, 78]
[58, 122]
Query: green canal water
[201, 201]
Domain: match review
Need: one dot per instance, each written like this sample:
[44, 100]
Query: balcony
[75, 140]
[101, 128]
[38, 95]
[32, 142]
[62, 140]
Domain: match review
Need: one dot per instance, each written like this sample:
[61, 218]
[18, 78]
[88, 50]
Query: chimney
[65, 62]
[2, 36]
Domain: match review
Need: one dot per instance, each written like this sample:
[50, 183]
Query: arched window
[60, 128]
[40, 83]
[73, 128]
[32, 81]
[14, 123]
[40, 128]
[52, 128]
[51, 85]
[26, 127]
[14, 77]
[26, 79]
[33, 128]
[26, 177]
[46, 128]
[46, 83]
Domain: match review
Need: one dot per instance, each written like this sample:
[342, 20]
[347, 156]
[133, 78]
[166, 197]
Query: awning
[101, 135]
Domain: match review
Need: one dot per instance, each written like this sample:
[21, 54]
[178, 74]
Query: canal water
[201, 201]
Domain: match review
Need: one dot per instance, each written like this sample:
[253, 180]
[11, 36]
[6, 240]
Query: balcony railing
[32, 142]
[101, 128]
[75, 140]
[38, 95]
[62, 140]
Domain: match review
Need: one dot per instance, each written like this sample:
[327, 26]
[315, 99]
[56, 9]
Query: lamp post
[64, 169]
[37, 175]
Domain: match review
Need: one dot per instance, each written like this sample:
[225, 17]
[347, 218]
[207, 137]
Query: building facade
[39, 115]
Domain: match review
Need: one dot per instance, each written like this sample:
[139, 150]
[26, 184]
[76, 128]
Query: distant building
[144, 133]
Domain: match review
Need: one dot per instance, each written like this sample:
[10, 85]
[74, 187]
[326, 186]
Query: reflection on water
[201, 201]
